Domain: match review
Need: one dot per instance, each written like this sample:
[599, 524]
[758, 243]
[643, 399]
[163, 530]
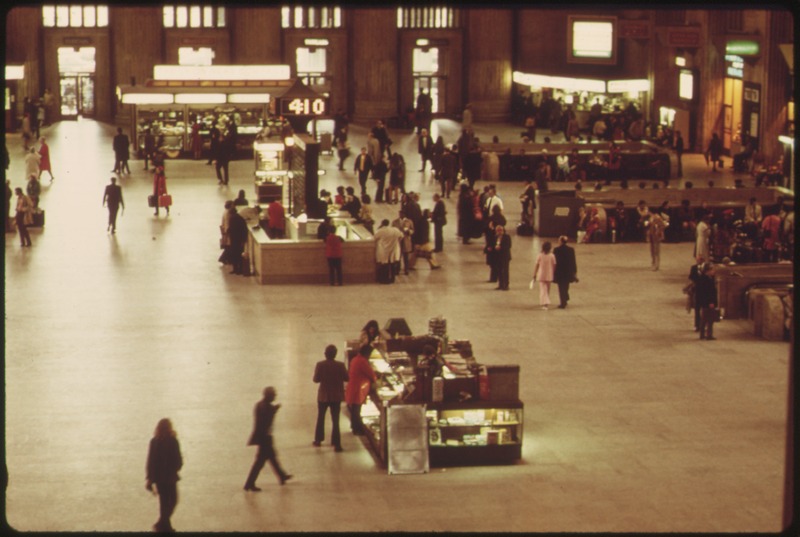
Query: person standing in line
[163, 463]
[388, 248]
[237, 239]
[32, 162]
[121, 145]
[159, 187]
[655, 235]
[224, 155]
[113, 199]
[425, 148]
[361, 377]
[706, 300]
[331, 376]
[261, 436]
[502, 256]
[44, 155]
[362, 167]
[566, 270]
[333, 253]
[543, 271]
[23, 217]
[439, 219]
[379, 171]
[679, 152]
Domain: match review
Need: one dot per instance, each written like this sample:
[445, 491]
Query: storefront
[178, 97]
[580, 94]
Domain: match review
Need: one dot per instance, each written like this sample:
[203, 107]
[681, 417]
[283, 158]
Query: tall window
[311, 17]
[74, 16]
[428, 17]
[194, 17]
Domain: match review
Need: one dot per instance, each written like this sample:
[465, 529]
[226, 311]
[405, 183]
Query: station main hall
[608, 415]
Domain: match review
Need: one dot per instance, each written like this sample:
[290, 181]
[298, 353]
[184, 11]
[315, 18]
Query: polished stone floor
[631, 423]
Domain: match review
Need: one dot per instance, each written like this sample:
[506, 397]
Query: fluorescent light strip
[622, 86]
[559, 82]
[221, 72]
[147, 98]
[200, 98]
[248, 98]
[15, 72]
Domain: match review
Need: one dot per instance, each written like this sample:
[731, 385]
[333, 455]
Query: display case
[461, 428]
[168, 125]
[270, 171]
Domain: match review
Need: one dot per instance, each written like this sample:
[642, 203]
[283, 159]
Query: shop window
[195, 56]
[311, 17]
[193, 17]
[75, 16]
[428, 17]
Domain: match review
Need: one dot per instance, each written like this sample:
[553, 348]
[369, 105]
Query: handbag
[164, 200]
[151, 201]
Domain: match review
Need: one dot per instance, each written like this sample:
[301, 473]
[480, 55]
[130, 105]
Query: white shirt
[491, 202]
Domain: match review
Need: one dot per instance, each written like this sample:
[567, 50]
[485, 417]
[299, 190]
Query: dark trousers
[167, 500]
[356, 425]
[706, 324]
[222, 165]
[24, 236]
[121, 164]
[379, 193]
[502, 273]
[563, 293]
[438, 237]
[362, 180]
[265, 453]
[319, 435]
[335, 274]
[234, 257]
[112, 216]
[697, 319]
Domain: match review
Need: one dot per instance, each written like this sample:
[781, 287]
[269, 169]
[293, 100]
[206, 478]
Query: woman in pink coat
[361, 377]
[543, 272]
[159, 187]
[44, 163]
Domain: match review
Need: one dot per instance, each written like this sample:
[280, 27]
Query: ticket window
[427, 76]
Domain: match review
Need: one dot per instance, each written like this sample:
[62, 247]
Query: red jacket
[276, 216]
[333, 245]
[159, 183]
[361, 376]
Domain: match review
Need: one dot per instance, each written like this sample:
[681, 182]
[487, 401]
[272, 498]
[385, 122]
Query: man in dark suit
[566, 270]
[439, 219]
[225, 151]
[214, 139]
[121, 146]
[262, 437]
[113, 199]
[694, 275]
[331, 376]
[237, 239]
[425, 148]
[502, 256]
[362, 167]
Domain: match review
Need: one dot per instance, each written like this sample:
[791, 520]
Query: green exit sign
[743, 47]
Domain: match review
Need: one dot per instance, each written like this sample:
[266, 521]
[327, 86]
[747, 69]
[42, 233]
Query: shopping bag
[151, 201]
[164, 200]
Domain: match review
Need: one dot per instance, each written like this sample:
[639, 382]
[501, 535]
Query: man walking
[362, 168]
[425, 148]
[121, 146]
[331, 376]
[262, 437]
[113, 200]
[566, 270]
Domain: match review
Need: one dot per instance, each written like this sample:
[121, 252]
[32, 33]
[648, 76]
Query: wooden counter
[301, 257]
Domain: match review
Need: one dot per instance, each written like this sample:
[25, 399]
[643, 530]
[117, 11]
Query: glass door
[69, 96]
[86, 95]
[76, 67]
[427, 76]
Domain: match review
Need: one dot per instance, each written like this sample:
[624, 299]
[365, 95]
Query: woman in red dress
[44, 163]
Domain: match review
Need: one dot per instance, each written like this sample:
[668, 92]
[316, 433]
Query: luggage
[385, 273]
[525, 229]
[151, 201]
[366, 199]
[38, 218]
[164, 200]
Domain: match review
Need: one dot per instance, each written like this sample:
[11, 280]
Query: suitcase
[525, 229]
[385, 274]
[164, 200]
[151, 201]
[38, 219]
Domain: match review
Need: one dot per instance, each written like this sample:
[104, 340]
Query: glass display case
[168, 125]
[270, 171]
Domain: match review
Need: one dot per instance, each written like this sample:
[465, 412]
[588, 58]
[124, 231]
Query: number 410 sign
[304, 106]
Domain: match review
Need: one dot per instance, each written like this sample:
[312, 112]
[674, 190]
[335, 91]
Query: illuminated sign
[592, 39]
[304, 107]
[682, 36]
[316, 42]
[628, 86]
[147, 98]
[743, 48]
[558, 82]
[221, 72]
[200, 98]
[680, 61]
[248, 98]
[735, 65]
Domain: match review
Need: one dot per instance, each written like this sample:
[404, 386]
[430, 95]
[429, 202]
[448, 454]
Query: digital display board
[592, 40]
[304, 106]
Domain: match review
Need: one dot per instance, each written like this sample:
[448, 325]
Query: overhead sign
[743, 47]
[684, 37]
[304, 106]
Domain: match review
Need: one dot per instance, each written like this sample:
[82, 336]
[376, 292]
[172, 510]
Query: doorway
[732, 115]
[76, 69]
[427, 76]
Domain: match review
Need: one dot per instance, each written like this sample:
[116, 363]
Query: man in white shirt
[491, 200]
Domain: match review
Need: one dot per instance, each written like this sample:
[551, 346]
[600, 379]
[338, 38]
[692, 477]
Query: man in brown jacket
[331, 376]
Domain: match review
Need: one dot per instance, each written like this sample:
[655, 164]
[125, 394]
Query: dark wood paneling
[374, 63]
[255, 35]
[488, 71]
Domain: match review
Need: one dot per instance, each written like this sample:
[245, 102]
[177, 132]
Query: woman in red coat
[44, 163]
[361, 377]
[160, 187]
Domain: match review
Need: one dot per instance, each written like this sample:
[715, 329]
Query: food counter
[470, 415]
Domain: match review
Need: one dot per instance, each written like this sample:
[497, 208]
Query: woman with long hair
[163, 462]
